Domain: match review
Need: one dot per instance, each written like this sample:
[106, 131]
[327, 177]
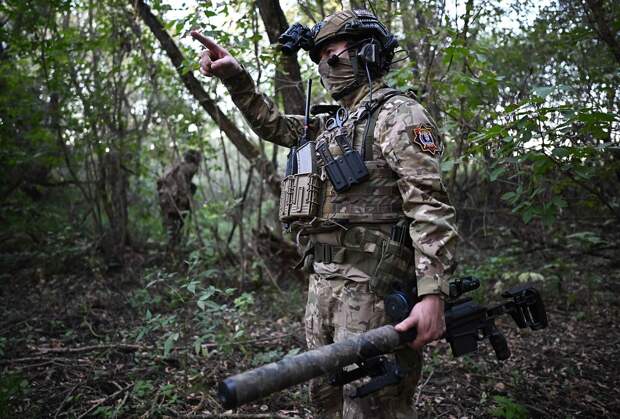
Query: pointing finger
[206, 41]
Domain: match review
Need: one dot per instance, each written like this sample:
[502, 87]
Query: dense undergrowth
[152, 342]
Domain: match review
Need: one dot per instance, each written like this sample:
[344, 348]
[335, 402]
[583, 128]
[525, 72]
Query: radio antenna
[307, 112]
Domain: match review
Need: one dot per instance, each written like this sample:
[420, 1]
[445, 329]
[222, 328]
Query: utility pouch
[332, 168]
[351, 162]
[395, 269]
[346, 170]
[306, 263]
[299, 197]
[388, 263]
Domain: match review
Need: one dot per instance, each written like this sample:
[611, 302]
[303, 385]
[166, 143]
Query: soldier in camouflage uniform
[347, 246]
[175, 191]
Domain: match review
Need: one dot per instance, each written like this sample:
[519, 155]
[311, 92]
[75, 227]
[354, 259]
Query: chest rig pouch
[299, 196]
[347, 169]
[300, 188]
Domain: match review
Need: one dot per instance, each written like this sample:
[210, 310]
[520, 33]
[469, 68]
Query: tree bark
[234, 134]
[602, 27]
[115, 184]
[464, 129]
[288, 74]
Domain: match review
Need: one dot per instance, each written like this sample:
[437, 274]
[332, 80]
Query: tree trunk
[599, 22]
[115, 184]
[288, 74]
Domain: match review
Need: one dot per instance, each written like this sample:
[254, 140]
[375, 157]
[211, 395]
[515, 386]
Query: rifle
[467, 323]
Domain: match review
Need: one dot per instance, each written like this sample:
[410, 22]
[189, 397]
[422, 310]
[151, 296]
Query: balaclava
[338, 76]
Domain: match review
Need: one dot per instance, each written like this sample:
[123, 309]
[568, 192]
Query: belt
[328, 253]
[330, 248]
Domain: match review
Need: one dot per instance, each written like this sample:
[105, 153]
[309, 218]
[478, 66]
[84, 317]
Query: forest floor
[153, 343]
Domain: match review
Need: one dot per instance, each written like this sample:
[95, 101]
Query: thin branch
[121, 346]
[102, 401]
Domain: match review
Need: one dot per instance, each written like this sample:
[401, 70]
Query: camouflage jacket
[407, 138]
[175, 188]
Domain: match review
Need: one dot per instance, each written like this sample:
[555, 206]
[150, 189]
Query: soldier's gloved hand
[427, 316]
[215, 60]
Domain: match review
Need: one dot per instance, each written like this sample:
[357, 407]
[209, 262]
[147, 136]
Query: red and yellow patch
[423, 137]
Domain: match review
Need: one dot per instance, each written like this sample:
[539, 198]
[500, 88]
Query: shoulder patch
[423, 137]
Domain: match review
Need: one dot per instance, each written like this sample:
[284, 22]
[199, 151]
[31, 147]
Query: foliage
[92, 113]
[508, 409]
[11, 387]
[530, 121]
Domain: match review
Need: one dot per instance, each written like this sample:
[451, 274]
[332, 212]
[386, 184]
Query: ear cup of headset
[372, 55]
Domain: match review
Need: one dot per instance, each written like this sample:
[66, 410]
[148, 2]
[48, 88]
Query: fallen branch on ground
[33, 359]
[81, 349]
[102, 401]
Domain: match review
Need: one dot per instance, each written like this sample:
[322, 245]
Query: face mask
[337, 75]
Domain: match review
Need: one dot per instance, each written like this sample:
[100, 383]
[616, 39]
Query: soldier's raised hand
[215, 60]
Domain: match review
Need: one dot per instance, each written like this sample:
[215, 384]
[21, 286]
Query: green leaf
[496, 173]
[239, 334]
[208, 293]
[595, 117]
[512, 107]
[293, 352]
[508, 409]
[169, 343]
[558, 202]
[528, 215]
[197, 346]
[191, 287]
[508, 196]
[561, 152]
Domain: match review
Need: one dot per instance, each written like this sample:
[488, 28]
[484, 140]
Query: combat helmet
[351, 24]
[356, 25]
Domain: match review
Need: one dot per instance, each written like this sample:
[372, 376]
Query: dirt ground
[69, 347]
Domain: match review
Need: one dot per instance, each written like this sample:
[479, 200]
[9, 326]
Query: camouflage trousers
[173, 223]
[338, 309]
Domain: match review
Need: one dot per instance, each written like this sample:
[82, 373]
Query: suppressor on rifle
[262, 381]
